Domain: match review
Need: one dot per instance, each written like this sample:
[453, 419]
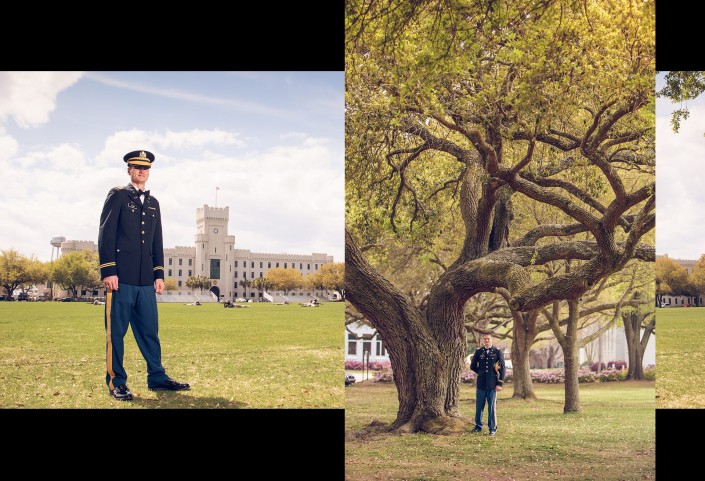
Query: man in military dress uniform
[132, 269]
[488, 364]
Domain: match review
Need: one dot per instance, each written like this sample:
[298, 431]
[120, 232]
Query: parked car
[349, 379]
[22, 296]
[67, 299]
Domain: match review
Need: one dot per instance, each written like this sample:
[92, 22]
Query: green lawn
[680, 355]
[612, 438]
[52, 355]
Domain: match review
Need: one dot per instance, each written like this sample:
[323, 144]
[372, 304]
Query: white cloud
[29, 97]
[240, 105]
[8, 146]
[680, 177]
[285, 197]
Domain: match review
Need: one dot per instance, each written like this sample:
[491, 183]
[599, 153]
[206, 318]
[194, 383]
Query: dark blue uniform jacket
[130, 238]
[483, 364]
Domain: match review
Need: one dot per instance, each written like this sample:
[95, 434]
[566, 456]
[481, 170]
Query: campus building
[231, 270]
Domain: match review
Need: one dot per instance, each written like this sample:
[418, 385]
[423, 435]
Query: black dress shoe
[170, 385]
[121, 393]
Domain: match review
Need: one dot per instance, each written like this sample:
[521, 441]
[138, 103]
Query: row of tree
[72, 272]
[328, 277]
[673, 279]
[79, 270]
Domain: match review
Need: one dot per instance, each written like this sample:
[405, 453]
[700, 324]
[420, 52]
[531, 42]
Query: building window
[235, 274]
[269, 264]
[316, 266]
[169, 260]
[252, 294]
[308, 266]
[379, 347]
[366, 347]
[235, 263]
[215, 269]
[260, 274]
[301, 266]
[169, 272]
[189, 273]
[190, 262]
[179, 272]
[215, 250]
[285, 266]
[260, 265]
[277, 264]
[352, 344]
[179, 283]
[252, 275]
[181, 261]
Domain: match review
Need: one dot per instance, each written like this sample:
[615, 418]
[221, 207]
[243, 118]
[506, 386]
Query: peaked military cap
[139, 157]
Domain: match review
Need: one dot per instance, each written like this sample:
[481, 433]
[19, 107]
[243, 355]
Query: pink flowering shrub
[384, 376]
[618, 365]
[383, 373]
[468, 376]
[354, 365]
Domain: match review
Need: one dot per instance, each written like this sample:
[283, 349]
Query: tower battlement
[212, 213]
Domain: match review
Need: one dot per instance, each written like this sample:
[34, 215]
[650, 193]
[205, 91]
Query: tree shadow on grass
[183, 400]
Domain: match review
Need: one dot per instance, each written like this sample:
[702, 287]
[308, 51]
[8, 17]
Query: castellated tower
[214, 247]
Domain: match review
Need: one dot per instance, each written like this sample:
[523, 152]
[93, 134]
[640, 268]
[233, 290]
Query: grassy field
[680, 355]
[612, 438]
[52, 355]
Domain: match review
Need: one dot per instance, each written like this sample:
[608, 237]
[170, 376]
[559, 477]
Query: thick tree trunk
[524, 336]
[551, 362]
[631, 332]
[572, 360]
[636, 344]
[426, 369]
[445, 319]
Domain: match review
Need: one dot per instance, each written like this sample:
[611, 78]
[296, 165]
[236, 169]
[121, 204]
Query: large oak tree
[457, 110]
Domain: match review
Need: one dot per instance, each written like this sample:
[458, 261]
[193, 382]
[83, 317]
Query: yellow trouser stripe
[108, 330]
[494, 409]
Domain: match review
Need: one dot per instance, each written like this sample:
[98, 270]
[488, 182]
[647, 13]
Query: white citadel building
[215, 256]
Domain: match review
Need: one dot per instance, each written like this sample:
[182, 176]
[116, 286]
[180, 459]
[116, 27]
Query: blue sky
[273, 142]
[680, 180]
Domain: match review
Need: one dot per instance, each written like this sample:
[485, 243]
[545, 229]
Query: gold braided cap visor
[138, 162]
